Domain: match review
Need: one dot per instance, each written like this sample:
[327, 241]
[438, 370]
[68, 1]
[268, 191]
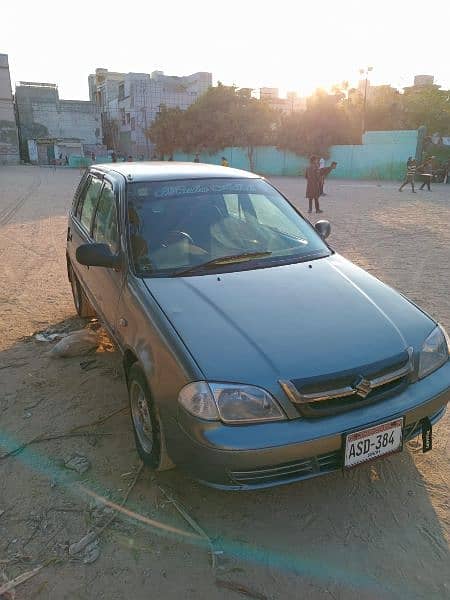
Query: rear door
[107, 283]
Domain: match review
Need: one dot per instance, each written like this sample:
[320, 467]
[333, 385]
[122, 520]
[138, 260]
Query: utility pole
[366, 73]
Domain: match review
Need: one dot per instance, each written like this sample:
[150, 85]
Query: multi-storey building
[50, 127]
[129, 102]
[9, 142]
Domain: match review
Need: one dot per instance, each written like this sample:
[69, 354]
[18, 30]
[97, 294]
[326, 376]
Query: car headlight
[434, 351]
[230, 403]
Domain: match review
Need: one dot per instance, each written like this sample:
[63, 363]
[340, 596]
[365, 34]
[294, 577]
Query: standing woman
[313, 186]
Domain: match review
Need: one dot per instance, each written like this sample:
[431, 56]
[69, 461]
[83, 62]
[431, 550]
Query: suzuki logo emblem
[362, 387]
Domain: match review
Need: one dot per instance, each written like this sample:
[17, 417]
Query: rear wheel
[82, 304]
[146, 429]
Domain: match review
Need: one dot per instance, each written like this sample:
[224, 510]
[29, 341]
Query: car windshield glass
[179, 225]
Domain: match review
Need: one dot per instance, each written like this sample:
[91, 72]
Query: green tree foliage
[167, 130]
[222, 117]
[324, 122]
[226, 116]
[427, 106]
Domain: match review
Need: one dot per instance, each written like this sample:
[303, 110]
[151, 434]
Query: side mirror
[323, 228]
[97, 255]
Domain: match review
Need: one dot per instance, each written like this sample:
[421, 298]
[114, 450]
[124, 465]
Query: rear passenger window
[104, 228]
[89, 201]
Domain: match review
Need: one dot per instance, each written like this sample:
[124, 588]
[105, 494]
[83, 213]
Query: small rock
[91, 553]
[85, 541]
[78, 462]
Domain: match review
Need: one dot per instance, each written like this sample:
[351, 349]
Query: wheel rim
[142, 420]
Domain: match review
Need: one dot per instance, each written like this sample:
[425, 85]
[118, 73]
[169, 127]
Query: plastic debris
[78, 343]
[78, 462]
[44, 336]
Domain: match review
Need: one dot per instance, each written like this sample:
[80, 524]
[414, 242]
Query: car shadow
[378, 531]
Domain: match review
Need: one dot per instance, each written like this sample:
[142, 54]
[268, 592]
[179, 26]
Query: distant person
[93, 156]
[113, 157]
[197, 158]
[154, 157]
[130, 158]
[224, 162]
[411, 168]
[66, 160]
[313, 178]
[427, 173]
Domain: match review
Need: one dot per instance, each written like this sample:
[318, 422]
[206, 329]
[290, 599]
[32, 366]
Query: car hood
[291, 321]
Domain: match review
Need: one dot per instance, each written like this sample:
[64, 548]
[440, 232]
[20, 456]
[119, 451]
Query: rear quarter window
[79, 192]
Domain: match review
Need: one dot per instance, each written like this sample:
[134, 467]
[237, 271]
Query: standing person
[427, 173]
[197, 158]
[130, 158]
[113, 157]
[224, 162]
[313, 178]
[411, 168]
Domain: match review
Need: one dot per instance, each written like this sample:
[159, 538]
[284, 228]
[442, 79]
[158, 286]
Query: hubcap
[141, 417]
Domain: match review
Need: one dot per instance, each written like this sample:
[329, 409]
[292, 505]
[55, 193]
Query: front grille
[338, 405]
[310, 467]
[336, 393]
[299, 469]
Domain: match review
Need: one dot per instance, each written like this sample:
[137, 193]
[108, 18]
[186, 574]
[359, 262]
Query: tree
[253, 123]
[325, 122]
[167, 130]
[427, 106]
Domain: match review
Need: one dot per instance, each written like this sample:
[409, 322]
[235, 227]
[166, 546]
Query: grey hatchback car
[254, 354]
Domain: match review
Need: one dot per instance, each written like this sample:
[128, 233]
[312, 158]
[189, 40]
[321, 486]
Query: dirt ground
[379, 531]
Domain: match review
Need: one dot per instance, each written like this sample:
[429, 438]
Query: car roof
[170, 170]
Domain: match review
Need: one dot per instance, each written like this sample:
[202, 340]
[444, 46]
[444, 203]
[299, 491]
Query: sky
[287, 44]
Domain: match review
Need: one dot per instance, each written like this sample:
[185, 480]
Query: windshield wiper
[222, 260]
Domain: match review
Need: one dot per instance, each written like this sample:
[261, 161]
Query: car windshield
[177, 226]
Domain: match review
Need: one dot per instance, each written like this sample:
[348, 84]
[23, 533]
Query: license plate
[368, 444]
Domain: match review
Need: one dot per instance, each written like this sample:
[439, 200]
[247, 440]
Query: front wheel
[146, 429]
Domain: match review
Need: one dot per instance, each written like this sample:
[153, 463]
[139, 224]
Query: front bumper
[249, 457]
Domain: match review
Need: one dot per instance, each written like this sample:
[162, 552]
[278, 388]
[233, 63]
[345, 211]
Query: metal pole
[364, 108]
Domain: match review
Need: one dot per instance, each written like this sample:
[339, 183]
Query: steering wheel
[175, 236]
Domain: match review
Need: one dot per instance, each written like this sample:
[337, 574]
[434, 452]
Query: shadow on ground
[369, 533]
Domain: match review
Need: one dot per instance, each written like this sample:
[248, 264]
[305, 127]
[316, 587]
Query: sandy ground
[380, 531]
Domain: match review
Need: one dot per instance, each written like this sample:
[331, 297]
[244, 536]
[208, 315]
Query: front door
[107, 283]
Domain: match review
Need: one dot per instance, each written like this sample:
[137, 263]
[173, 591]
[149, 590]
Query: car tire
[145, 421]
[82, 304]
